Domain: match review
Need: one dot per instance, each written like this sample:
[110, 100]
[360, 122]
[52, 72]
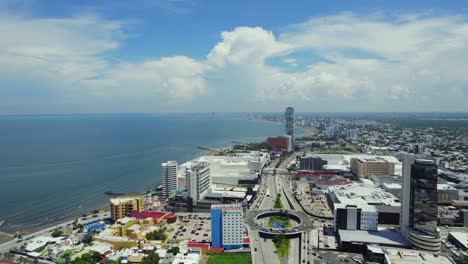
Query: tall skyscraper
[289, 117]
[169, 177]
[418, 218]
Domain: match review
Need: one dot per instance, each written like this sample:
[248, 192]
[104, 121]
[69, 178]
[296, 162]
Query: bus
[268, 193]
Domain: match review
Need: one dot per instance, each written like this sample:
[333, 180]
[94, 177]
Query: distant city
[376, 189]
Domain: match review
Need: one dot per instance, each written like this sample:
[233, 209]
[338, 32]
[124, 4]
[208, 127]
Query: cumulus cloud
[348, 62]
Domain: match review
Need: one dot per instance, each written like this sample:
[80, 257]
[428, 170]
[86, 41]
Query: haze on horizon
[202, 56]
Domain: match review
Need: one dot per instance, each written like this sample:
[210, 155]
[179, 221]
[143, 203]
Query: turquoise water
[57, 167]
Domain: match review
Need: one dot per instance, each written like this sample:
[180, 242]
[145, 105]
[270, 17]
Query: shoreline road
[5, 247]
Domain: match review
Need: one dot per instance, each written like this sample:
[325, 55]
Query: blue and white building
[227, 226]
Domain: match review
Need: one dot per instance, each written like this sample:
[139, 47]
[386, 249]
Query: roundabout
[257, 220]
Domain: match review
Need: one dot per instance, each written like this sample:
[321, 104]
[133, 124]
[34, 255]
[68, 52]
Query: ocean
[56, 167]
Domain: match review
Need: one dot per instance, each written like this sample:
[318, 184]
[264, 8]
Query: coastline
[7, 231]
[8, 236]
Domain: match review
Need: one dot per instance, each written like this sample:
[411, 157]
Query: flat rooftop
[409, 256]
[364, 194]
[388, 238]
[461, 237]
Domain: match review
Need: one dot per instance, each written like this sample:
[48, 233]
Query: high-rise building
[418, 218]
[169, 177]
[362, 167]
[289, 125]
[120, 207]
[227, 226]
[198, 180]
[311, 163]
[418, 148]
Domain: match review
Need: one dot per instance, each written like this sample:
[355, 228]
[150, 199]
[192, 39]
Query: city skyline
[127, 58]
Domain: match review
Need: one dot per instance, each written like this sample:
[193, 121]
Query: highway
[276, 181]
[265, 249]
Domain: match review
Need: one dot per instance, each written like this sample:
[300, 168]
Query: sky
[143, 56]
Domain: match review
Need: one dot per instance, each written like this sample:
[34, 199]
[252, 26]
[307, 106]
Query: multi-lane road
[263, 250]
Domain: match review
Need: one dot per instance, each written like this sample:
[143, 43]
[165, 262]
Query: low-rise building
[365, 194]
[367, 167]
[127, 232]
[446, 192]
[389, 255]
[352, 217]
[358, 240]
[282, 143]
[311, 163]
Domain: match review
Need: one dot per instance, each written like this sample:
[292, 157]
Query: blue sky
[184, 56]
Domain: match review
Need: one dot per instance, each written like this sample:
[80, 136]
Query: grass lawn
[228, 258]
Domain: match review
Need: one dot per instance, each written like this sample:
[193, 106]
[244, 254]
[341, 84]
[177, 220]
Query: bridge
[302, 220]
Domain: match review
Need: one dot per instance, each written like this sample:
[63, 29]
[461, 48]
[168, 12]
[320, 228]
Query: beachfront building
[120, 207]
[227, 226]
[169, 177]
[198, 180]
[418, 222]
[367, 167]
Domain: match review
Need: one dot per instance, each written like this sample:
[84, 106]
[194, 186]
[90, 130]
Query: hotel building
[120, 207]
[227, 226]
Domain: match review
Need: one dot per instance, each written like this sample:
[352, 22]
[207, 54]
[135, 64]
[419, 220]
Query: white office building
[367, 194]
[352, 217]
[169, 177]
[229, 170]
[198, 180]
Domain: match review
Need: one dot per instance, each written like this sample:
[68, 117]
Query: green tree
[87, 240]
[88, 258]
[278, 238]
[277, 203]
[174, 250]
[151, 258]
[57, 233]
[113, 261]
[157, 235]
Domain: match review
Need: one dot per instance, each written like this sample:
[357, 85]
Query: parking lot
[195, 227]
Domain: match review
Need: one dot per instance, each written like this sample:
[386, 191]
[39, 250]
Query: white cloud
[366, 63]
